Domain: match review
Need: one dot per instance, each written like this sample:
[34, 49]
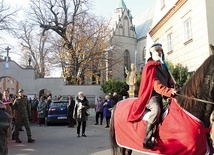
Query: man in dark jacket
[114, 99]
[71, 105]
[34, 105]
[22, 109]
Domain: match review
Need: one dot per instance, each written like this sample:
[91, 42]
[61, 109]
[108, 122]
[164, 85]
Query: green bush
[180, 73]
[115, 85]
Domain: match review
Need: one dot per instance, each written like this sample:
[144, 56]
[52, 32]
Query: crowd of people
[14, 113]
[103, 108]
[19, 111]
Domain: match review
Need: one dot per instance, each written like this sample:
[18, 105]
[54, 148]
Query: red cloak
[145, 92]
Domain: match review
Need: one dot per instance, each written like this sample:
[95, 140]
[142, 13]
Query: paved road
[60, 140]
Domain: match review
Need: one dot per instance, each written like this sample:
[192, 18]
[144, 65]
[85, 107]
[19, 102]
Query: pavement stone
[61, 140]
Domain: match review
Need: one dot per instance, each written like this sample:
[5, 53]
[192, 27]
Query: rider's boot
[148, 142]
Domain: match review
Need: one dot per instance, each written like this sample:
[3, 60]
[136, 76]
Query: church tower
[124, 40]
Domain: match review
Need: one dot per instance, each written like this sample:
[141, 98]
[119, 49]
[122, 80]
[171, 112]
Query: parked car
[57, 112]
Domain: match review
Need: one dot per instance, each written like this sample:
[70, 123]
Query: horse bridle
[196, 99]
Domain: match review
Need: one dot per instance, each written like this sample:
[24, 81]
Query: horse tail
[114, 145]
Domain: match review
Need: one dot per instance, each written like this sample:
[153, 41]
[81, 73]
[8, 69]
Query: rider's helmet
[156, 52]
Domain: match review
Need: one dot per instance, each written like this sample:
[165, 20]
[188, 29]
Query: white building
[185, 28]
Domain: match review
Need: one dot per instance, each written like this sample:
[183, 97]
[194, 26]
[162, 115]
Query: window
[169, 42]
[126, 61]
[187, 30]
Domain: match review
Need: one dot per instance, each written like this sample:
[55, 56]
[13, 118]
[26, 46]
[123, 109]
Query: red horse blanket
[179, 134]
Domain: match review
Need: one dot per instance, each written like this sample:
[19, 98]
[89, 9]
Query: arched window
[127, 62]
[126, 26]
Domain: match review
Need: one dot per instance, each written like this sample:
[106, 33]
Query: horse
[185, 129]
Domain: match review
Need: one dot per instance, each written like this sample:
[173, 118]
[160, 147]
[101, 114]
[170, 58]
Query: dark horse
[194, 103]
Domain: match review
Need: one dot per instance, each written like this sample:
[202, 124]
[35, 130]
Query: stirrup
[149, 144]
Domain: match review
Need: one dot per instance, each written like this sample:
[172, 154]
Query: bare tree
[83, 37]
[37, 46]
[7, 21]
[7, 17]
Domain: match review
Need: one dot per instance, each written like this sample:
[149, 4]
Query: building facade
[123, 41]
[183, 27]
[8, 83]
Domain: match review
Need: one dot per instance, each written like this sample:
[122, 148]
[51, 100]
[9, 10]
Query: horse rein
[196, 99]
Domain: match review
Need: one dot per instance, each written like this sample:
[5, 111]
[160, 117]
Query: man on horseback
[156, 85]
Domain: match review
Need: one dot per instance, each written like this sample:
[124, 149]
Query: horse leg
[122, 151]
[129, 152]
[125, 151]
[212, 126]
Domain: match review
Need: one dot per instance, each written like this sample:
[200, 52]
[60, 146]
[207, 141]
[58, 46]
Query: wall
[27, 81]
[210, 21]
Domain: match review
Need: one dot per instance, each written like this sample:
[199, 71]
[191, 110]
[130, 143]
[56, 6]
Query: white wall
[56, 86]
[193, 53]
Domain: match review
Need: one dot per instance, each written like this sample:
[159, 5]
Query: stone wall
[31, 85]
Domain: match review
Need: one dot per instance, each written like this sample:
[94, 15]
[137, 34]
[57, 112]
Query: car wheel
[48, 123]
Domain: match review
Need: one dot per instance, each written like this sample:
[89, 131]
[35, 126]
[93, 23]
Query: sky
[137, 7]
[99, 7]
[105, 7]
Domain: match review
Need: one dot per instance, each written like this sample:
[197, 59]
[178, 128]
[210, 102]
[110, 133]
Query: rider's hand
[174, 92]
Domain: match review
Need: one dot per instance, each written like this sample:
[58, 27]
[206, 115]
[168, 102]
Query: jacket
[80, 112]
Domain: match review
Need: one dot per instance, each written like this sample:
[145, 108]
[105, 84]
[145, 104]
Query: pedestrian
[22, 110]
[80, 113]
[60, 97]
[41, 108]
[34, 105]
[114, 99]
[49, 100]
[99, 111]
[5, 129]
[71, 105]
[107, 105]
[7, 102]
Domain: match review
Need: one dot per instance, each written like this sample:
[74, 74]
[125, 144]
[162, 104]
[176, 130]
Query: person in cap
[5, 129]
[22, 109]
[156, 85]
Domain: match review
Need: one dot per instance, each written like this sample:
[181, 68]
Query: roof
[121, 4]
[143, 23]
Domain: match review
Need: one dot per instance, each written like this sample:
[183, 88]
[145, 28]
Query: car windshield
[59, 104]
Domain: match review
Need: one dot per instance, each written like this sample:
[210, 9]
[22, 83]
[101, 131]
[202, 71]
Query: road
[60, 140]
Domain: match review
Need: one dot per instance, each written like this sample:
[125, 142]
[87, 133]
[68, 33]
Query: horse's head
[200, 86]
